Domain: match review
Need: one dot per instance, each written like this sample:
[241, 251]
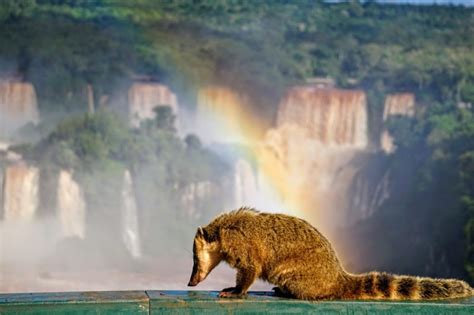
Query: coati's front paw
[281, 293]
[228, 289]
[232, 293]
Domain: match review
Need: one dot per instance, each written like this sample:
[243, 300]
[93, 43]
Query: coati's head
[207, 255]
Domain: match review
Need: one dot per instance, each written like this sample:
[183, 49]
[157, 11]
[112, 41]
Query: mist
[113, 228]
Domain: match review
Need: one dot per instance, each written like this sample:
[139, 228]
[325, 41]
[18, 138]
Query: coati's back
[277, 236]
[293, 255]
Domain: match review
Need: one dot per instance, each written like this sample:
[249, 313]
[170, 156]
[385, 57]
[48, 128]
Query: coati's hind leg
[245, 278]
[306, 287]
[296, 279]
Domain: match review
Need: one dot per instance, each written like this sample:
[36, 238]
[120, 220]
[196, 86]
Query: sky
[457, 2]
[469, 3]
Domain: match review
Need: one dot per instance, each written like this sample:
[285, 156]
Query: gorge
[305, 163]
[316, 162]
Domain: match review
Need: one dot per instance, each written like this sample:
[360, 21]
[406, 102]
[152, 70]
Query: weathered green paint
[205, 302]
[110, 302]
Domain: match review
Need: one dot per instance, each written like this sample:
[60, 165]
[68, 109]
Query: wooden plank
[109, 302]
[207, 302]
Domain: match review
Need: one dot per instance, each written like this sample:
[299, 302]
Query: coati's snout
[194, 276]
[206, 256]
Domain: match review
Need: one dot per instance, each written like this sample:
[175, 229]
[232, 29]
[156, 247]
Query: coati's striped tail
[376, 285]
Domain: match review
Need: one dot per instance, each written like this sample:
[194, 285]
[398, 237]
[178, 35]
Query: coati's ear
[200, 232]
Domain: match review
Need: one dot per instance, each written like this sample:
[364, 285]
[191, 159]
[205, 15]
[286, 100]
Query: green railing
[207, 302]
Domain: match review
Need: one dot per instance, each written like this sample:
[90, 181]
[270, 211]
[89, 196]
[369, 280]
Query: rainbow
[233, 120]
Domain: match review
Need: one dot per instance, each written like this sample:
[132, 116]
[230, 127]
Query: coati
[292, 254]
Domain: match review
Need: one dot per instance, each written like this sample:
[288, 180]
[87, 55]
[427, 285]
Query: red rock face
[144, 97]
[330, 116]
[18, 105]
[396, 104]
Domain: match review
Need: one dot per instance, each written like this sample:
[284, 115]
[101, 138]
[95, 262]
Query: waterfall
[245, 184]
[330, 116]
[319, 132]
[194, 195]
[71, 208]
[130, 234]
[371, 186]
[18, 105]
[20, 192]
[396, 104]
[144, 97]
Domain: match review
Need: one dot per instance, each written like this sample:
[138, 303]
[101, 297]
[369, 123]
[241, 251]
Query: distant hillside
[259, 47]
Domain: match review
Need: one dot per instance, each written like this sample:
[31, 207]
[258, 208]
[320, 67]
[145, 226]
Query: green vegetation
[256, 46]
[259, 47]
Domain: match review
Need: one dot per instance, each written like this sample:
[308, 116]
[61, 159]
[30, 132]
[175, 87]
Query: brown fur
[293, 255]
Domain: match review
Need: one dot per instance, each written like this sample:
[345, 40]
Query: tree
[192, 142]
[165, 118]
